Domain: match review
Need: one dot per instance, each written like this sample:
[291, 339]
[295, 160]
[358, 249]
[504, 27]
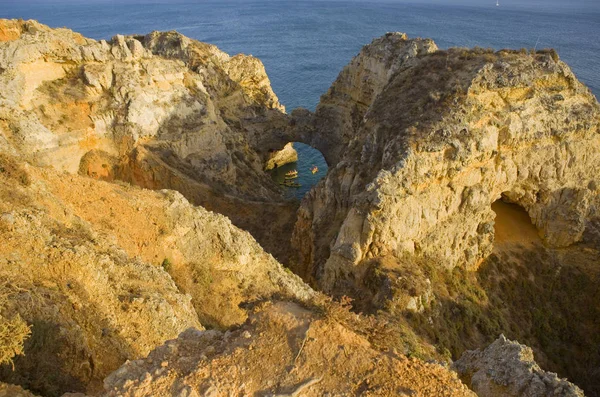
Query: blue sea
[304, 44]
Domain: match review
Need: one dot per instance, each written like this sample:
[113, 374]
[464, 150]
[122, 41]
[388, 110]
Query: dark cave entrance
[513, 224]
[296, 186]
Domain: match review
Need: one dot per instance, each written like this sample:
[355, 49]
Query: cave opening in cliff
[297, 168]
[513, 224]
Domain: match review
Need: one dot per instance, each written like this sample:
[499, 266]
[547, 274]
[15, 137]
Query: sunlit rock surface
[424, 144]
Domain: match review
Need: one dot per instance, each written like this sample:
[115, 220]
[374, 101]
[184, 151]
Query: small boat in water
[290, 184]
[292, 173]
[314, 169]
[288, 178]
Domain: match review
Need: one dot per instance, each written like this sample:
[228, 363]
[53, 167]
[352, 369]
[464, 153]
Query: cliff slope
[104, 272]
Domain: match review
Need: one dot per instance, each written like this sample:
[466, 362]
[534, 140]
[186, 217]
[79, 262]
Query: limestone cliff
[65, 95]
[434, 140]
[432, 149]
[341, 110]
[421, 145]
[160, 111]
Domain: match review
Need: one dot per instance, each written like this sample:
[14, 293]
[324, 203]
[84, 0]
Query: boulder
[507, 369]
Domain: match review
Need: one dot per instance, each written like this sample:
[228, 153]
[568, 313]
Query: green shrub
[166, 265]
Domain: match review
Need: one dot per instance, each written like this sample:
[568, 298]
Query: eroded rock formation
[430, 141]
[160, 111]
[342, 109]
[281, 157]
[421, 144]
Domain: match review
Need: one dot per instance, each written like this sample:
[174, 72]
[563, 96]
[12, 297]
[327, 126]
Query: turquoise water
[307, 157]
[305, 44]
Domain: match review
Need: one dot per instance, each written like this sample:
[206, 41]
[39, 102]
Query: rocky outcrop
[145, 109]
[441, 137]
[283, 350]
[281, 157]
[508, 369]
[340, 111]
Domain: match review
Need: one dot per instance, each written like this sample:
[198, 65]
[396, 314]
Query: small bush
[13, 331]
[549, 51]
[166, 265]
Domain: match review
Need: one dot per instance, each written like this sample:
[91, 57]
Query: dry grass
[13, 331]
[385, 332]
